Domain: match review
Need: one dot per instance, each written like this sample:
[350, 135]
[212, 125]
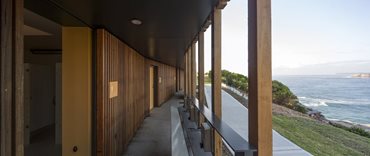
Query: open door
[153, 80]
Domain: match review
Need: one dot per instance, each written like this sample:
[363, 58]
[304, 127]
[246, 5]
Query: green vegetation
[319, 138]
[354, 129]
[281, 94]
[235, 80]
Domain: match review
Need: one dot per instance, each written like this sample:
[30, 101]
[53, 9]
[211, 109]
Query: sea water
[338, 97]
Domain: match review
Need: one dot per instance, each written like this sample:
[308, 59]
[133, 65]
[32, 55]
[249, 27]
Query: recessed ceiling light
[136, 21]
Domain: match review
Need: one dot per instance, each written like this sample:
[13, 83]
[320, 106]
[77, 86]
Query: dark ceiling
[168, 26]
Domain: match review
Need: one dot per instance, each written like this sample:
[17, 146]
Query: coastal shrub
[359, 131]
[353, 129]
[235, 80]
[300, 108]
[281, 94]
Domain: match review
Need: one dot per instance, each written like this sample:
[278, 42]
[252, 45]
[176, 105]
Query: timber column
[259, 72]
[216, 76]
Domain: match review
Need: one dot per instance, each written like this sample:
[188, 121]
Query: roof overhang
[168, 26]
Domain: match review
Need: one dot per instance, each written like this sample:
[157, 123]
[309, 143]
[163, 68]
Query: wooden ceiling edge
[222, 4]
[123, 41]
[203, 28]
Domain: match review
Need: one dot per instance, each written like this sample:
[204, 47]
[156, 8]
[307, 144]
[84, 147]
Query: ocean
[338, 97]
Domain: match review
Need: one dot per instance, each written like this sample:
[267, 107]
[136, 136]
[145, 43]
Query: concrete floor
[154, 136]
[43, 145]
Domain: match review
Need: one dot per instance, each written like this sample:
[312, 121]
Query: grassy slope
[321, 139]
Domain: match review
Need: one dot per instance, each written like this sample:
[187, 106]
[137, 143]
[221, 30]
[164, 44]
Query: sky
[328, 35]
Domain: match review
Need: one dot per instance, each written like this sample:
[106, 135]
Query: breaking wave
[316, 102]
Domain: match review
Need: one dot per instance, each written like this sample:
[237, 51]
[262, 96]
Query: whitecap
[333, 119]
[314, 102]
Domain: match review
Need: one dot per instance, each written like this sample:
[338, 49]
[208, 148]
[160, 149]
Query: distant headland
[361, 75]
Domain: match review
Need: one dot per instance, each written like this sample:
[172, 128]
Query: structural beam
[259, 72]
[216, 75]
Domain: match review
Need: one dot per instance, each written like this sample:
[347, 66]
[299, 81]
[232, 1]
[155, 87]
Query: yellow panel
[76, 91]
[113, 89]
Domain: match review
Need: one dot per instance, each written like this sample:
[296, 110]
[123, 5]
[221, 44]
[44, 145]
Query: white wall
[41, 91]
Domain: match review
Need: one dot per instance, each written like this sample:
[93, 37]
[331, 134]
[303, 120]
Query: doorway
[42, 85]
[153, 87]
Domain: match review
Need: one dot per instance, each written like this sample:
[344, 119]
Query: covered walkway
[154, 135]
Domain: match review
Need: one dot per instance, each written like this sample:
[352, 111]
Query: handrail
[239, 145]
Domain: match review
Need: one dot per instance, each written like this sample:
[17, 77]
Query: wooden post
[186, 75]
[176, 83]
[193, 71]
[259, 72]
[12, 75]
[6, 77]
[201, 68]
[177, 78]
[18, 55]
[189, 73]
[216, 76]
[201, 94]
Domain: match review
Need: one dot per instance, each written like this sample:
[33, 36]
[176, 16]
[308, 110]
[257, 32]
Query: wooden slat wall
[119, 117]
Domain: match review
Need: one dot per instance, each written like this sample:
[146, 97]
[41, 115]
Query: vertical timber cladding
[120, 116]
[117, 116]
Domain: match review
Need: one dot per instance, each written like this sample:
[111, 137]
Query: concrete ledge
[178, 142]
